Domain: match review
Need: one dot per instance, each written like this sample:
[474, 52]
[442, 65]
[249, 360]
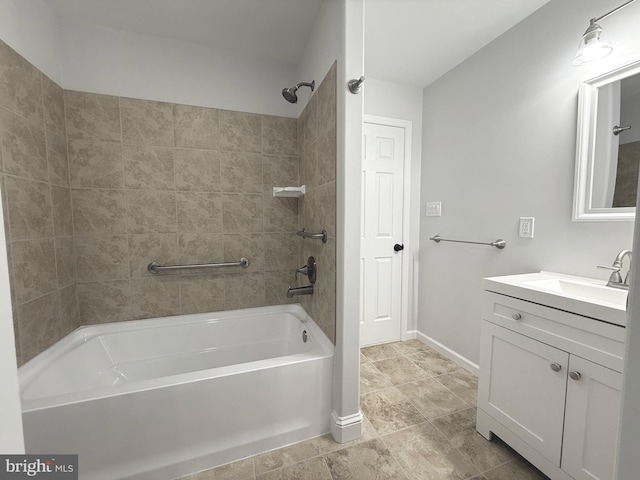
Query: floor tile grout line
[468, 457]
[322, 454]
[464, 455]
[451, 413]
[402, 469]
[435, 377]
[382, 359]
[403, 428]
[430, 420]
[326, 465]
[457, 367]
[497, 466]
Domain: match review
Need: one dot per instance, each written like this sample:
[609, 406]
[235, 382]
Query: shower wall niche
[95, 187]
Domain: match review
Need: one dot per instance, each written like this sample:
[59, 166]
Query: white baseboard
[455, 357]
[411, 334]
[346, 429]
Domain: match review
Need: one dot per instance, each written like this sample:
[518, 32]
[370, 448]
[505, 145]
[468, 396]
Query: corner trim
[455, 357]
[347, 428]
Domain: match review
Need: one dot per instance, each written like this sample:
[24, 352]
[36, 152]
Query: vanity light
[594, 44]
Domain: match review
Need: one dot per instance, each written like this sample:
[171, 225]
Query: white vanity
[550, 371]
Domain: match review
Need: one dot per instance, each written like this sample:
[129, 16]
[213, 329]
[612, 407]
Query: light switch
[526, 227]
[434, 209]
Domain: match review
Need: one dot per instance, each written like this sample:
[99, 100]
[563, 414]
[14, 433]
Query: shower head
[290, 95]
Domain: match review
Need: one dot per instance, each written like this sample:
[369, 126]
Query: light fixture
[594, 44]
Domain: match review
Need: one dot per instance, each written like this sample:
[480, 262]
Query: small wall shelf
[289, 191]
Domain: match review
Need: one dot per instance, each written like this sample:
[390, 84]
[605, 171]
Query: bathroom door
[381, 234]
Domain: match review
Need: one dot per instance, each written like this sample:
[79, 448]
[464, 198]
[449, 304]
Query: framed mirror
[608, 146]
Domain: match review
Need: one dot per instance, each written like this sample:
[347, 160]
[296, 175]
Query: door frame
[407, 126]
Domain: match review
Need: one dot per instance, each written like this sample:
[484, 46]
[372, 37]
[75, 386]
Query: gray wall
[499, 143]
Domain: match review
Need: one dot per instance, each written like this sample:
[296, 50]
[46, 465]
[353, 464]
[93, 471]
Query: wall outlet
[526, 227]
[434, 209]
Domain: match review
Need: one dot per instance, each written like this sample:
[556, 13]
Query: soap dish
[289, 191]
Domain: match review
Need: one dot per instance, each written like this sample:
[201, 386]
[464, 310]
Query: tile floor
[419, 423]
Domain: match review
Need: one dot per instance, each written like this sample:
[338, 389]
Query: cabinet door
[520, 388]
[591, 421]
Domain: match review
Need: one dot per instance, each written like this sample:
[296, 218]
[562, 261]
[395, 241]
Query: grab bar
[155, 267]
[500, 244]
[316, 236]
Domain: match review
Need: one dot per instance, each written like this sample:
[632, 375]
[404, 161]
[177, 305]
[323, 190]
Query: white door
[523, 385]
[381, 231]
[591, 421]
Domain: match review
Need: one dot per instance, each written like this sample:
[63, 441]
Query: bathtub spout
[306, 290]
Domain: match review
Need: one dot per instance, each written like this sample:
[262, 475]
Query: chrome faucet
[615, 280]
[311, 271]
[306, 290]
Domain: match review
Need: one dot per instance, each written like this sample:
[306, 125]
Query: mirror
[608, 146]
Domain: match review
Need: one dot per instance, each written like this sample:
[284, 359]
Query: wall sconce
[594, 44]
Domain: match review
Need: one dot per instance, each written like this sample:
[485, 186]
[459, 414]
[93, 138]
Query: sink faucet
[615, 280]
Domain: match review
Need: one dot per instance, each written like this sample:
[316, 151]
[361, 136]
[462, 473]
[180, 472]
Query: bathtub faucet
[306, 290]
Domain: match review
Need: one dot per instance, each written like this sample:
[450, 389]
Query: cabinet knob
[556, 367]
[575, 375]
[516, 316]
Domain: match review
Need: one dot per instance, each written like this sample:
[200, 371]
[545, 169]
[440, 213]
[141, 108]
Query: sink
[584, 296]
[600, 293]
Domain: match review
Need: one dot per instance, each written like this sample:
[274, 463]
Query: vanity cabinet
[591, 420]
[549, 386]
[521, 391]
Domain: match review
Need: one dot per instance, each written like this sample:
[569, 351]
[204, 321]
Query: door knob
[575, 375]
[556, 367]
[397, 247]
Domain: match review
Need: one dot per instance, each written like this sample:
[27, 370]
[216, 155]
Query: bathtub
[161, 398]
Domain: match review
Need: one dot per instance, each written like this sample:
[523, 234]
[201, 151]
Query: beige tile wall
[94, 187]
[36, 203]
[154, 181]
[626, 188]
[317, 134]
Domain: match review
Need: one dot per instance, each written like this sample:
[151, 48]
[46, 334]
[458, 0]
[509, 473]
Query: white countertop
[583, 296]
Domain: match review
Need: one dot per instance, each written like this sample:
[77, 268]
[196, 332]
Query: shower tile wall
[626, 187]
[154, 181]
[95, 187]
[317, 136]
[36, 205]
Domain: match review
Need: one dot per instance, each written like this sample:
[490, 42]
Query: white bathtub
[160, 398]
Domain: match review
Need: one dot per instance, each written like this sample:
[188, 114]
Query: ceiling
[412, 42]
[272, 30]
